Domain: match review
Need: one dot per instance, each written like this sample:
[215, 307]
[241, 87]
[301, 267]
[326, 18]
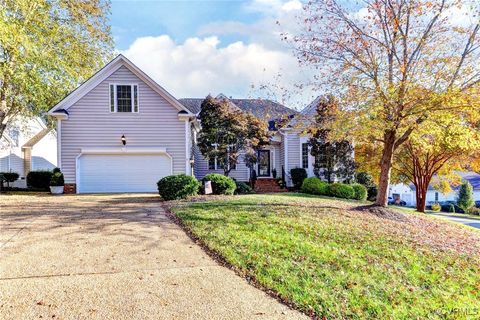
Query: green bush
[220, 183]
[465, 196]
[242, 188]
[298, 175]
[436, 207]
[360, 191]
[57, 179]
[9, 177]
[314, 185]
[365, 179]
[341, 190]
[178, 187]
[39, 179]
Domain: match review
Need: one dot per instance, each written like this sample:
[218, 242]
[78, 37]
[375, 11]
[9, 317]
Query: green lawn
[332, 261]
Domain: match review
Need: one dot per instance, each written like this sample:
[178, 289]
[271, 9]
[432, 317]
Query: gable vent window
[124, 98]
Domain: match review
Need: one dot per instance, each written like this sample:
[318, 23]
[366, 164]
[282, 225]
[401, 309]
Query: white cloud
[200, 66]
[277, 17]
[292, 6]
[464, 15]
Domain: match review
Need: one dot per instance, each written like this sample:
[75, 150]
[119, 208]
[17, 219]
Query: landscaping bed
[329, 259]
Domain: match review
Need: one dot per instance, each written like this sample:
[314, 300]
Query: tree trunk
[385, 168]
[421, 186]
[3, 113]
[2, 127]
[421, 194]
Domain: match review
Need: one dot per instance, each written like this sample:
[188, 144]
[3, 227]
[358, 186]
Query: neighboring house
[27, 144]
[121, 103]
[403, 192]
[407, 192]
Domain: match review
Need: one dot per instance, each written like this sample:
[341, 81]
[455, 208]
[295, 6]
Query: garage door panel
[121, 173]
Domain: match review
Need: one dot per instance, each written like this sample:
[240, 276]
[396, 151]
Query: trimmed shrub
[242, 188]
[57, 179]
[178, 187]
[298, 175]
[341, 190]
[39, 179]
[314, 185]
[9, 177]
[360, 191]
[436, 207]
[220, 183]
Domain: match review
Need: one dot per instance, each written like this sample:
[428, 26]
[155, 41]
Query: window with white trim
[215, 164]
[305, 155]
[212, 163]
[123, 98]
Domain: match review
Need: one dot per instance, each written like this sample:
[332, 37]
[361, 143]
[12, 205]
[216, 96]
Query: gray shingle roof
[261, 108]
[192, 104]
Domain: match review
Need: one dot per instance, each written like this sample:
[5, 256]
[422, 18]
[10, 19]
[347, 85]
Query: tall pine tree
[465, 197]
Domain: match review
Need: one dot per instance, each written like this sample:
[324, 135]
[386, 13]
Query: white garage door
[121, 173]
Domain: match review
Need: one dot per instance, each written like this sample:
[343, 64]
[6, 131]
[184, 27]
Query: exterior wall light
[124, 140]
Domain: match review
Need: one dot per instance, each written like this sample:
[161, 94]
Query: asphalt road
[466, 221]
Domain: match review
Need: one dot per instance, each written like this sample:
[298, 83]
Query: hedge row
[182, 186]
[314, 185]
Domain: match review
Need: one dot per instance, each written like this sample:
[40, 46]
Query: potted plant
[57, 182]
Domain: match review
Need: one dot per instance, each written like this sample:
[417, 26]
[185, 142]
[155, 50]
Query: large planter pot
[56, 189]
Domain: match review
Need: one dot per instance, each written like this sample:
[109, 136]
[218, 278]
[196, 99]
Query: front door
[264, 163]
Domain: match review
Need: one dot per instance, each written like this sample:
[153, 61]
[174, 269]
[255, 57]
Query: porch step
[268, 186]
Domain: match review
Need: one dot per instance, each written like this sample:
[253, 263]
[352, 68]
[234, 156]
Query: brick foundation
[70, 188]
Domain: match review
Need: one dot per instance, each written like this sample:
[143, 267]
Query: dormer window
[123, 98]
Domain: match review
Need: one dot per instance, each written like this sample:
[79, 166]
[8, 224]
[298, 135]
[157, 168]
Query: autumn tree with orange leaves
[439, 147]
[393, 65]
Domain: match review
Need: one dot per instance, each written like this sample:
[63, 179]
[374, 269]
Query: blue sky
[196, 48]
[179, 19]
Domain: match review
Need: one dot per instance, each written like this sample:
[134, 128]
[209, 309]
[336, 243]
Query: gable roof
[103, 74]
[311, 109]
[261, 108]
[36, 138]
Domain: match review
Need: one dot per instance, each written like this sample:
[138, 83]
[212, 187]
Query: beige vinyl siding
[91, 124]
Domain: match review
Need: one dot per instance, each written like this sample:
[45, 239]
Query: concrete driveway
[113, 257]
